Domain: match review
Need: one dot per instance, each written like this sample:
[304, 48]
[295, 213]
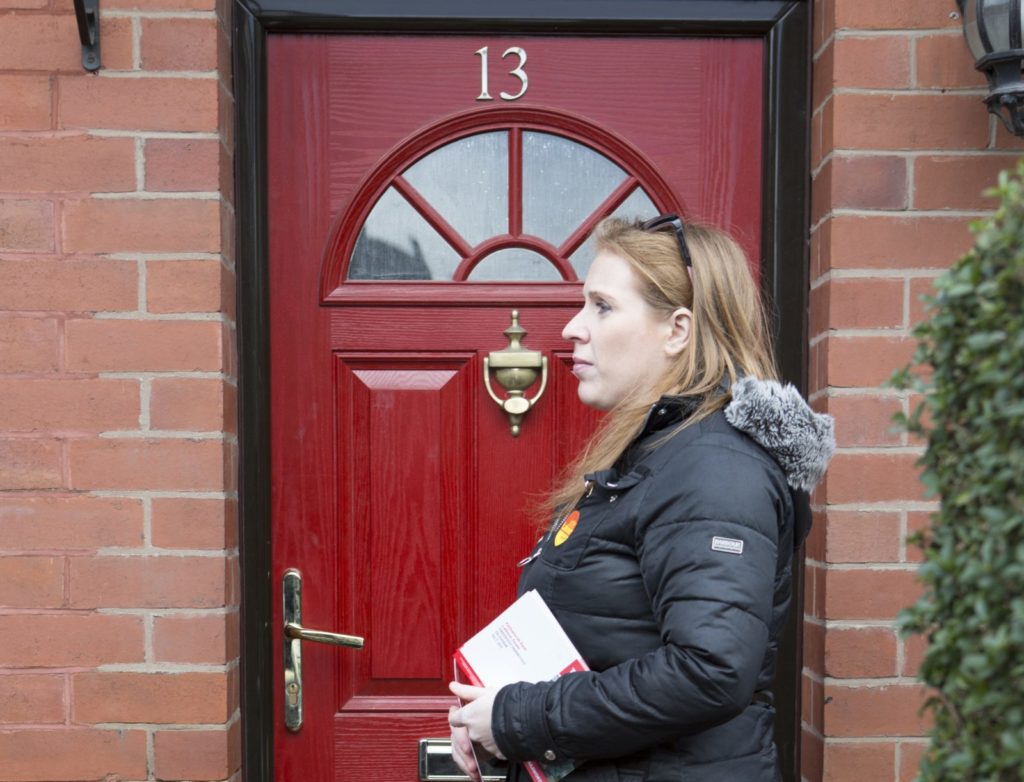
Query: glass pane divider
[438, 223]
[507, 241]
[515, 181]
[609, 205]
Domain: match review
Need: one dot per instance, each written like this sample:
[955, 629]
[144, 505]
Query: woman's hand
[462, 750]
[474, 718]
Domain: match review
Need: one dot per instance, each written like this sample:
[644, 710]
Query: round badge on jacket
[567, 527]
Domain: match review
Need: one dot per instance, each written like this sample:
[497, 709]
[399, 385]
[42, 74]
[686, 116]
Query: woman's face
[621, 343]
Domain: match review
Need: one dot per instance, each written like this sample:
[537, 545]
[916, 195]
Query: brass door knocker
[515, 368]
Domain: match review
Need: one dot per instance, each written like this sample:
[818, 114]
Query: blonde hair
[729, 334]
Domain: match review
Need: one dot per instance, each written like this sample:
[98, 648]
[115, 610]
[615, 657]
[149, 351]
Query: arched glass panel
[637, 205]
[563, 183]
[560, 184]
[466, 182]
[396, 243]
[515, 264]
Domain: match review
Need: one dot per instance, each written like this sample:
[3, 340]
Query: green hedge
[970, 368]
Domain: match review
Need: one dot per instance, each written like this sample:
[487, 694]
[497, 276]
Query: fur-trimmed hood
[778, 419]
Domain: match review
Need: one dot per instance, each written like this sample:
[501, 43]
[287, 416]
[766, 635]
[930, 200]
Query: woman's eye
[602, 307]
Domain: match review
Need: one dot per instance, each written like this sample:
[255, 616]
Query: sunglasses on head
[670, 220]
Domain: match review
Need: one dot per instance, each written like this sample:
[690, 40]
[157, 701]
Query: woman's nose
[573, 330]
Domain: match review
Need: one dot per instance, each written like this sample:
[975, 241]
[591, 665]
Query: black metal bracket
[88, 14]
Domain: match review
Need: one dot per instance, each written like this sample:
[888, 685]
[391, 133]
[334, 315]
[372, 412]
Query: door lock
[294, 635]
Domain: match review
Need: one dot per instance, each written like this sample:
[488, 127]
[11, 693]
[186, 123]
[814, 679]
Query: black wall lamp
[88, 14]
[993, 32]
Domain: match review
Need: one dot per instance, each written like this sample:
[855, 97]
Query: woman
[674, 581]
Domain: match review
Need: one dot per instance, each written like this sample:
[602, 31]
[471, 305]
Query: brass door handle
[294, 635]
[292, 630]
[515, 368]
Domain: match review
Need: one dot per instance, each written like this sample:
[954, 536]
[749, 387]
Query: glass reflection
[515, 263]
[563, 183]
[396, 243]
[466, 181]
[637, 205]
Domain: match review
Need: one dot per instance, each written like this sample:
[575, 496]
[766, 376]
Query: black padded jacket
[674, 585]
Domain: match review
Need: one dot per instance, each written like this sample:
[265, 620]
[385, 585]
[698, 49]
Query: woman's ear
[680, 324]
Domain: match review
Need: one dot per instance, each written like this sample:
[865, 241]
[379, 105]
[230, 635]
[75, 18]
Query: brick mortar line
[909, 213]
[220, 727]
[833, 392]
[904, 533]
[883, 450]
[68, 700]
[173, 612]
[187, 75]
[210, 316]
[55, 671]
[806, 727]
[168, 434]
[136, 41]
[821, 49]
[936, 92]
[913, 61]
[868, 567]
[95, 611]
[145, 403]
[913, 506]
[110, 551]
[912, 34]
[895, 739]
[881, 331]
[167, 668]
[156, 195]
[228, 379]
[862, 683]
[811, 674]
[133, 14]
[119, 552]
[142, 279]
[150, 755]
[901, 652]
[162, 495]
[844, 152]
[860, 624]
[860, 333]
[148, 650]
[160, 135]
[146, 256]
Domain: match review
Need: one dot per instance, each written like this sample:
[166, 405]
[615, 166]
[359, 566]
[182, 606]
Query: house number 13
[518, 72]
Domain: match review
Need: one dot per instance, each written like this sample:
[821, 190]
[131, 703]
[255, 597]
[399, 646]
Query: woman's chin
[590, 398]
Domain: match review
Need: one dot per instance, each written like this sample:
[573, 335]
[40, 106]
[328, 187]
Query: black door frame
[785, 28]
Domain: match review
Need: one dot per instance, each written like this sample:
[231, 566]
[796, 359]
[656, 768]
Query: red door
[421, 188]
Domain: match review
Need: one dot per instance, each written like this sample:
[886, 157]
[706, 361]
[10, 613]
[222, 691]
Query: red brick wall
[901, 149]
[118, 558]
[118, 597]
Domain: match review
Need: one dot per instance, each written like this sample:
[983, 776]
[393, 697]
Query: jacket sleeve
[713, 607]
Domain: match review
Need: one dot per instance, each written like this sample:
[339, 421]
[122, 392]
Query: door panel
[398, 489]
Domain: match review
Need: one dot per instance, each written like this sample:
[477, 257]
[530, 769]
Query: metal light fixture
[993, 29]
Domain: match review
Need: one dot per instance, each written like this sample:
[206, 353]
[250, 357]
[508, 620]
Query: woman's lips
[578, 365]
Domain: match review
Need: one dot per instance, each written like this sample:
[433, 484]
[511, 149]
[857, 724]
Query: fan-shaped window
[513, 205]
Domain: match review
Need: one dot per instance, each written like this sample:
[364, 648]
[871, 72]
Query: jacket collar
[773, 415]
[778, 419]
